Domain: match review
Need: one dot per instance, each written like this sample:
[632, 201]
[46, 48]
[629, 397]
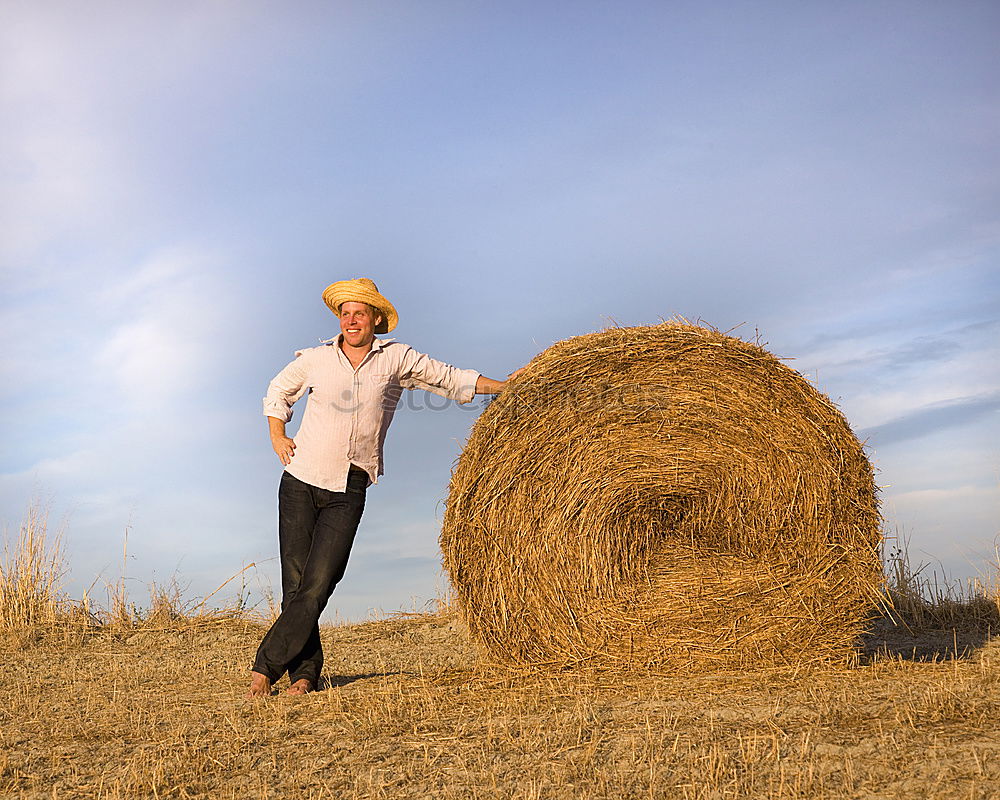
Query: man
[354, 383]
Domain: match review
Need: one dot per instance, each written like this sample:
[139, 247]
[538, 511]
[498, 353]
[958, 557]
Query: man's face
[357, 323]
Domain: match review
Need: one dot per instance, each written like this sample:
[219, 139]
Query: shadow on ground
[338, 681]
[898, 640]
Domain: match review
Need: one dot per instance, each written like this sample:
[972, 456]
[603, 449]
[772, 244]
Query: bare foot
[301, 686]
[260, 686]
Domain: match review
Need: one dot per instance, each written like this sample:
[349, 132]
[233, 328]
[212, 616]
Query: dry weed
[30, 574]
[920, 598]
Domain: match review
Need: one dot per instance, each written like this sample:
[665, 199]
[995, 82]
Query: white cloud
[170, 311]
[147, 363]
[121, 387]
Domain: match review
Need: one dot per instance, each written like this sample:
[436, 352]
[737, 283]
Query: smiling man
[354, 383]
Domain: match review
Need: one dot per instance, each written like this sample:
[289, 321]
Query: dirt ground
[406, 712]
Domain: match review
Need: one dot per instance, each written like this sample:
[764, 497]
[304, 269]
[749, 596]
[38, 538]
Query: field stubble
[151, 705]
[409, 713]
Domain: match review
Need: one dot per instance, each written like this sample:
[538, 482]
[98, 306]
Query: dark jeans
[316, 529]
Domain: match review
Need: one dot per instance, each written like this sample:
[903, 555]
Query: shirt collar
[377, 344]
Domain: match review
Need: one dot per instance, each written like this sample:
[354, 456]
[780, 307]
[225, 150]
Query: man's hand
[486, 385]
[283, 446]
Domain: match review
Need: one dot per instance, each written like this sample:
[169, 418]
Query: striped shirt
[349, 410]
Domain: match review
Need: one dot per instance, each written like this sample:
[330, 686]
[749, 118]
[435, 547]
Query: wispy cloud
[932, 418]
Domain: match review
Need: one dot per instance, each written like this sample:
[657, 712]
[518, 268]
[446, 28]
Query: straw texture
[661, 496]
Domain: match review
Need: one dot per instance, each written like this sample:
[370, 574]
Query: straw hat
[361, 290]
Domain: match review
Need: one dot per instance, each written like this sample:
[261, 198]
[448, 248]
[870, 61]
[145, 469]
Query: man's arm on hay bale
[420, 371]
[486, 385]
[490, 386]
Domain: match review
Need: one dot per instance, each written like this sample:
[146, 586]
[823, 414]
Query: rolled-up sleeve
[419, 371]
[286, 387]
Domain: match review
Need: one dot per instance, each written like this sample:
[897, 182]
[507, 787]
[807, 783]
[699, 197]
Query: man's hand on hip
[284, 447]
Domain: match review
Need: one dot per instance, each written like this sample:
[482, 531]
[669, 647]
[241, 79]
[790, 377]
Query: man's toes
[260, 686]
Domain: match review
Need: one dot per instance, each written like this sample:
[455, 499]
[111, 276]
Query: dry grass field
[151, 705]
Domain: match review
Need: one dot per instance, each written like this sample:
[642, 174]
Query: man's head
[364, 292]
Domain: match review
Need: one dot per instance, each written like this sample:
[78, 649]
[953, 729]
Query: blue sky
[179, 182]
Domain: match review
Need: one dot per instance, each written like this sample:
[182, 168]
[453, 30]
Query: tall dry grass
[31, 597]
[919, 597]
[31, 572]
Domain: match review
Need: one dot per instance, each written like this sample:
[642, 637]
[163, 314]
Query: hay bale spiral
[657, 496]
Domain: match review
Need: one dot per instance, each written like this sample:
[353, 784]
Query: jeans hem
[269, 674]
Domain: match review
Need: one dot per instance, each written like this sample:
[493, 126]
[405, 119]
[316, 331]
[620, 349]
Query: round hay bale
[660, 495]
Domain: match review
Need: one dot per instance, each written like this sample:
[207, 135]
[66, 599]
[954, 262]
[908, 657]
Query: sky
[180, 180]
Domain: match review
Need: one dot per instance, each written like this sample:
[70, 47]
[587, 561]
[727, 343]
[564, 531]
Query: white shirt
[348, 411]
